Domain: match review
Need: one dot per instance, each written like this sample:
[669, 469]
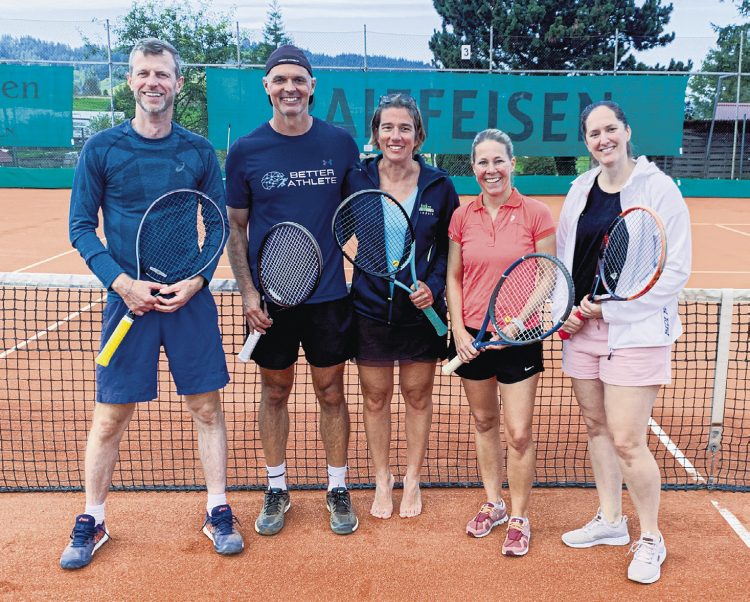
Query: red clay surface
[34, 237]
[159, 553]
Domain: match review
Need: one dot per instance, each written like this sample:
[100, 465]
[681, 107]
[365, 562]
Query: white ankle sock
[215, 499]
[337, 476]
[96, 511]
[277, 476]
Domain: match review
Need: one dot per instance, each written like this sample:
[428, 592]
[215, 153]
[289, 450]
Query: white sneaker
[649, 552]
[598, 532]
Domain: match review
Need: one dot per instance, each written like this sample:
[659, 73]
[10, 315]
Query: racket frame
[126, 322]
[600, 275]
[489, 316]
[252, 339]
[600, 272]
[437, 323]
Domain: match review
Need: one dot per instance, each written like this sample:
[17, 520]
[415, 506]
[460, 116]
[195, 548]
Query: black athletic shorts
[324, 330]
[381, 344]
[509, 365]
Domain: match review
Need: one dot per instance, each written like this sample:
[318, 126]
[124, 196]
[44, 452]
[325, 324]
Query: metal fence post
[617, 41]
[713, 123]
[737, 102]
[239, 53]
[364, 42]
[492, 42]
[111, 82]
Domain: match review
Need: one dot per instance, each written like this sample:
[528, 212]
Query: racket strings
[179, 236]
[374, 233]
[523, 306]
[289, 266]
[633, 254]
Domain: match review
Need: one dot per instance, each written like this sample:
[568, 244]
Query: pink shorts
[586, 355]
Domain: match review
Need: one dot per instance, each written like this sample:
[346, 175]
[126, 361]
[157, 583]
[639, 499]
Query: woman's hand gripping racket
[289, 268]
[376, 235]
[631, 258]
[180, 235]
[520, 307]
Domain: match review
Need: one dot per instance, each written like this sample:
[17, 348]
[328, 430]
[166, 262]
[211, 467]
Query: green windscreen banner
[540, 113]
[36, 105]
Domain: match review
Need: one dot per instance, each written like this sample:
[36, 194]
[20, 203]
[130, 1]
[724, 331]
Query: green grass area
[91, 103]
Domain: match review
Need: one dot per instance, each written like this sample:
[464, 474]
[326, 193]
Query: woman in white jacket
[620, 354]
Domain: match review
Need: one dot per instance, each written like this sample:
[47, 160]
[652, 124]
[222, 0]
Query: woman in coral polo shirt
[486, 236]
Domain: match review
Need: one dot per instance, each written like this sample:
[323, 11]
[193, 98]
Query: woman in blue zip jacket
[390, 324]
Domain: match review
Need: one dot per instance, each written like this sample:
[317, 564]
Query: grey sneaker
[598, 532]
[649, 552]
[271, 518]
[343, 518]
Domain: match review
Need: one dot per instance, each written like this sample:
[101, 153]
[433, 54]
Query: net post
[720, 375]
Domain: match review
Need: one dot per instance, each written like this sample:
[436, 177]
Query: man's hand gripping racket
[376, 235]
[289, 269]
[530, 302]
[180, 235]
[631, 258]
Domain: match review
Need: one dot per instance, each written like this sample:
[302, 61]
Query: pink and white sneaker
[489, 516]
[517, 540]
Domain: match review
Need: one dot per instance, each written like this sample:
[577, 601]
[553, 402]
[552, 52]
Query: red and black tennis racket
[289, 268]
[631, 258]
[180, 235]
[374, 232]
[521, 305]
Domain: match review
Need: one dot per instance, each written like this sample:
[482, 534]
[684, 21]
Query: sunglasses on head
[397, 97]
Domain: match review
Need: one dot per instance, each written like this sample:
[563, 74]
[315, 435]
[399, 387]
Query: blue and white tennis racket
[376, 235]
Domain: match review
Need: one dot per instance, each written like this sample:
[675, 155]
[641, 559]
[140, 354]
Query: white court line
[43, 333]
[723, 227]
[672, 448]
[33, 265]
[720, 272]
[734, 522]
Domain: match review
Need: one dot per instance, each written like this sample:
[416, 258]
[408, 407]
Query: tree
[90, 84]
[551, 34]
[725, 57]
[743, 7]
[200, 36]
[274, 36]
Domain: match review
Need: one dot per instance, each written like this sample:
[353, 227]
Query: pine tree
[550, 34]
[273, 30]
[274, 36]
[564, 35]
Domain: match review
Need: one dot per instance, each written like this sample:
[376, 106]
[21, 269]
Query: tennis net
[699, 431]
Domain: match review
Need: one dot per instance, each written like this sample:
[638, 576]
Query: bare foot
[411, 501]
[382, 505]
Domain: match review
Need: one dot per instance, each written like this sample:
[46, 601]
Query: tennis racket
[289, 268]
[376, 235]
[520, 307]
[180, 235]
[631, 258]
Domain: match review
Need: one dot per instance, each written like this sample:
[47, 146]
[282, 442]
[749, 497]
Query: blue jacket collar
[427, 173]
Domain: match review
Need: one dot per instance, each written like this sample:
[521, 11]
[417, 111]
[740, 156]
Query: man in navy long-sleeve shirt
[121, 172]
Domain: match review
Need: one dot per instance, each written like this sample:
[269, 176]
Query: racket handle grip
[114, 340]
[452, 365]
[566, 335]
[249, 346]
[435, 320]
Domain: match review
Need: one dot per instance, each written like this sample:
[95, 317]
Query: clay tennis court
[158, 551]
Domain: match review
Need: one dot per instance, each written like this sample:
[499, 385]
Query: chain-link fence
[715, 141]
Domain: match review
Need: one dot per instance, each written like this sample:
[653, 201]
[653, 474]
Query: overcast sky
[395, 27]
